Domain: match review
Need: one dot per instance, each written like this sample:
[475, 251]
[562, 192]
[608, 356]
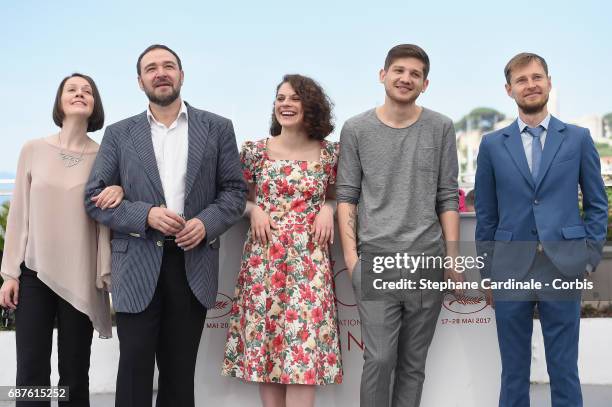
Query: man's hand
[166, 221]
[110, 197]
[450, 274]
[191, 235]
[347, 222]
[351, 262]
[9, 294]
[489, 297]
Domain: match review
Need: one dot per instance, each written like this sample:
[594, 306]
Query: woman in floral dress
[283, 330]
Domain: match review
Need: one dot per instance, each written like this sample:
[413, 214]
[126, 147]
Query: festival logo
[468, 303]
[223, 306]
[343, 289]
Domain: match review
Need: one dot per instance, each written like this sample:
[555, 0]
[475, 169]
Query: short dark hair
[96, 120]
[157, 46]
[408, 51]
[522, 59]
[318, 120]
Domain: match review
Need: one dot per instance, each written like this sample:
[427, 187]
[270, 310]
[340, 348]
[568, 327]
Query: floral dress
[283, 326]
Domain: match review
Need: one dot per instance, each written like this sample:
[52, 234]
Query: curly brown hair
[318, 119]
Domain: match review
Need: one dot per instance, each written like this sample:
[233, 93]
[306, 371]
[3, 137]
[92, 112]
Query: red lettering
[359, 343]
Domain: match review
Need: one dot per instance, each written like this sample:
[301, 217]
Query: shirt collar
[182, 113]
[544, 123]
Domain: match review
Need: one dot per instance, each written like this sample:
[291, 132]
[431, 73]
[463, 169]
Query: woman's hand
[9, 294]
[110, 197]
[261, 225]
[323, 228]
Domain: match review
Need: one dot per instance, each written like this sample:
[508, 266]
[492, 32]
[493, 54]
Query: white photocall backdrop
[462, 370]
[463, 365]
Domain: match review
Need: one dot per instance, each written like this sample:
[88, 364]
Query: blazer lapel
[514, 144]
[143, 142]
[197, 135]
[554, 138]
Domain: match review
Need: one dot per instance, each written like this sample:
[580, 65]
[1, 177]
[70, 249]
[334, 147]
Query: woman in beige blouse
[56, 261]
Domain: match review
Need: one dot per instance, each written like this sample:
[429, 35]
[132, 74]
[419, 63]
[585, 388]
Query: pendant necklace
[69, 159]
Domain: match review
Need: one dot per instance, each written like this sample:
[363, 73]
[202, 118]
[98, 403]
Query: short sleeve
[330, 160]
[250, 158]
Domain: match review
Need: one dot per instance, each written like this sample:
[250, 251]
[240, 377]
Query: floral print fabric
[283, 326]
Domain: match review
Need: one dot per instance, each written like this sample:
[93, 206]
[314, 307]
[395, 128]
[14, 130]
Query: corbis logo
[469, 303]
[223, 306]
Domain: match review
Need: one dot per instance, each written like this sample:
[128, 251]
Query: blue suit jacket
[215, 193]
[514, 212]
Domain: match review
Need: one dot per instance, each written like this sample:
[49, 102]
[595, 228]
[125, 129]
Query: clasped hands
[188, 233]
[262, 225]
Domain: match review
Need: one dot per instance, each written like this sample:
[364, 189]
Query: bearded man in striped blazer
[183, 187]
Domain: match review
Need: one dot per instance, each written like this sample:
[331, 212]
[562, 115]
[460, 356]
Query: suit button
[160, 243]
[536, 202]
[534, 232]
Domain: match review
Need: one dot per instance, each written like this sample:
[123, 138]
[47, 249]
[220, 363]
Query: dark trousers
[168, 331]
[38, 308]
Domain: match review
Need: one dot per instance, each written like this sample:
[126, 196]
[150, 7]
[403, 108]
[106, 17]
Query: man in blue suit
[183, 184]
[530, 228]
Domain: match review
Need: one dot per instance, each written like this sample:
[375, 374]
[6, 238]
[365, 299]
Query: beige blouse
[49, 229]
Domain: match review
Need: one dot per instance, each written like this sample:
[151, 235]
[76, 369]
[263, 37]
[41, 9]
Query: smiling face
[160, 77]
[77, 98]
[288, 108]
[529, 86]
[404, 80]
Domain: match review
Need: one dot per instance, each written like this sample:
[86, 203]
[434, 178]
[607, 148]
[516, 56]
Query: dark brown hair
[96, 120]
[157, 46]
[318, 120]
[520, 60]
[408, 51]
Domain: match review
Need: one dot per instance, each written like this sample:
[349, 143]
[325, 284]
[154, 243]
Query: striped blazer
[215, 193]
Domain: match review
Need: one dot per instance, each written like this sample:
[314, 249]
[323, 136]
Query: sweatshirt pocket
[427, 158]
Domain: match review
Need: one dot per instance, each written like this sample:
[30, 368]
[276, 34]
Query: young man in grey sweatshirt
[397, 192]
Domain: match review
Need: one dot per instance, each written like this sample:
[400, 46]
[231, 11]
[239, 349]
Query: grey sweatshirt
[401, 180]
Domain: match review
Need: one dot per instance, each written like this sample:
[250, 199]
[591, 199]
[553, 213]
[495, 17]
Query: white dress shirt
[528, 138]
[171, 147]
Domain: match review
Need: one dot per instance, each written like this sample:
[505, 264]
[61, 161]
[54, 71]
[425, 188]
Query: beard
[533, 109]
[165, 100]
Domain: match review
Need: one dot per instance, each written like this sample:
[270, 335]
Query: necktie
[536, 149]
